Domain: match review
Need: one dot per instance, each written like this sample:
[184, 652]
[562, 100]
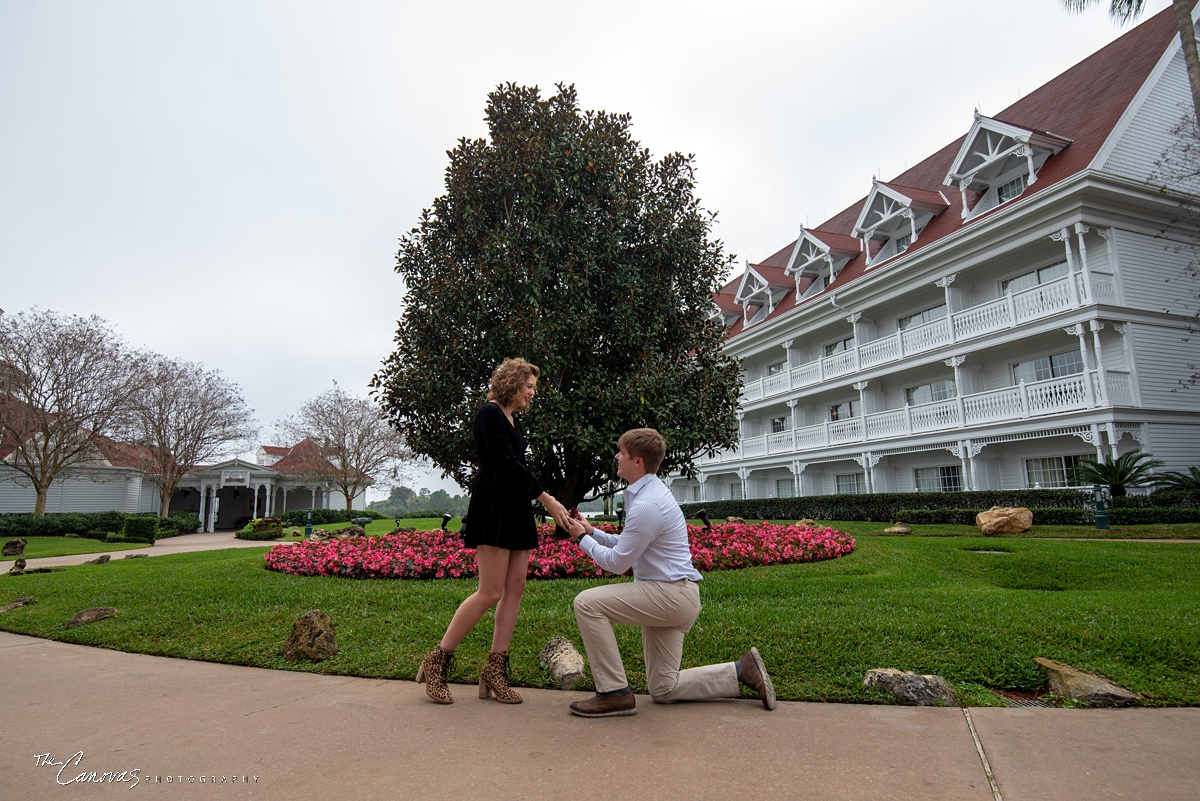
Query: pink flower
[440, 554]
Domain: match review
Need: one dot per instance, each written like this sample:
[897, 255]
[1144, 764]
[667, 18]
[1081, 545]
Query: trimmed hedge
[140, 528]
[94, 525]
[883, 507]
[322, 517]
[178, 523]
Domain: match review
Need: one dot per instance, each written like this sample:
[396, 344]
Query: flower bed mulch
[440, 554]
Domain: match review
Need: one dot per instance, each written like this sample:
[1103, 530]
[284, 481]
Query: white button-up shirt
[654, 541]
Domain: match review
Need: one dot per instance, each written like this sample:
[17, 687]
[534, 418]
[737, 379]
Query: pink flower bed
[439, 554]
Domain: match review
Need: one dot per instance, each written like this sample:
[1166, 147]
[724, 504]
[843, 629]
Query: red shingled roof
[1082, 104]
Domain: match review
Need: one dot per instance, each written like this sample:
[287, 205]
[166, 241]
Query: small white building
[225, 495]
[1006, 307]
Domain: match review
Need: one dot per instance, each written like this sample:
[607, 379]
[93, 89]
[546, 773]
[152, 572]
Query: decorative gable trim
[758, 293]
[894, 216]
[817, 258]
[997, 154]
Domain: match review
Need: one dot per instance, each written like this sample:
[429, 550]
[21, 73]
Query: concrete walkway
[287, 735]
[182, 543]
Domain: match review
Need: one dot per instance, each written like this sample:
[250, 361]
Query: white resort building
[1006, 307]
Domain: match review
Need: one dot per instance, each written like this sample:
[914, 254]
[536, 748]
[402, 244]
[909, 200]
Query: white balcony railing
[1039, 399]
[977, 321]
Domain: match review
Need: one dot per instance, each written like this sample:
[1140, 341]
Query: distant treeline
[404, 502]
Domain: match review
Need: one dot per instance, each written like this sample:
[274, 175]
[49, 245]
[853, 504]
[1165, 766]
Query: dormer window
[997, 162]
[817, 258]
[892, 218]
[761, 289]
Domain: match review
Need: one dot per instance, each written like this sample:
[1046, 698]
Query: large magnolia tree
[66, 384]
[559, 239]
[186, 416]
[357, 446]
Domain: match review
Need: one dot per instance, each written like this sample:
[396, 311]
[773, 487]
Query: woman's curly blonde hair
[509, 378]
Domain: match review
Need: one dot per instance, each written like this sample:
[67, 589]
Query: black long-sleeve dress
[500, 513]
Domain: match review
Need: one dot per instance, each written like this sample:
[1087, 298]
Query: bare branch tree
[361, 448]
[66, 383]
[187, 416]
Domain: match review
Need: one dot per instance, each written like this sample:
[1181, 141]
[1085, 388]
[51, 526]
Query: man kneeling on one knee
[663, 598]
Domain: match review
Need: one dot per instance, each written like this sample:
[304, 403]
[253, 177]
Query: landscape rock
[137, 556]
[734, 520]
[352, 531]
[312, 638]
[17, 604]
[72, 536]
[1004, 520]
[563, 662]
[103, 559]
[89, 616]
[1067, 682]
[899, 528]
[806, 522]
[14, 547]
[18, 567]
[911, 689]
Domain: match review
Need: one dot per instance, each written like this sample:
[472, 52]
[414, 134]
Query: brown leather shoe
[605, 705]
[754, 676]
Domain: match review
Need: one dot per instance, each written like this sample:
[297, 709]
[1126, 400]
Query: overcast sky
[226, 182]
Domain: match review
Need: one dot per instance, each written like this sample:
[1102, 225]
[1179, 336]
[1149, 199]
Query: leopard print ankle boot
[435, 672]
[494, 679]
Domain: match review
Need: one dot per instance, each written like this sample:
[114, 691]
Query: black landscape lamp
[446, 519]
[703, 515]
[1101, 512]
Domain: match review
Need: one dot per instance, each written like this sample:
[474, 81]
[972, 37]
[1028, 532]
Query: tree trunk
[1187, 35]
[39, 506]
[164, 501]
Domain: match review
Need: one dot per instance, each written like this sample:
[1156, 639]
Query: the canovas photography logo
[71, 771]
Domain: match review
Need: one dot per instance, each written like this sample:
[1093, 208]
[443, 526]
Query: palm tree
[1132, 469]
[1176, 480]
[1123, 11]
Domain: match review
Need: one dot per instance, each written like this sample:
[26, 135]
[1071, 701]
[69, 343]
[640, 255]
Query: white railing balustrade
[933, 416]
[1058, 395]
[879, 351]
[774, 384]
[1006, 312]
[887, 424]
[755, 446]
[781, 442]
[926, 337]
[1120, 389]
[846, 431]
[980, 320]
[1041, 301]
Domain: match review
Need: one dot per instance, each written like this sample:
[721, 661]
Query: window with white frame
[932, 392]
[920, 318]
[939, 479]
[1012, 189]
[785, 488]
[696, 492]
[1042, 275]
[776, 368]
[845, 411]
[779, 425]
[848, 483]
[1054, 471]
[841, 346]
[1043, 368]
[735, 491]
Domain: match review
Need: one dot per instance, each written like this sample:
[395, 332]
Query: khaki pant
[666, 611]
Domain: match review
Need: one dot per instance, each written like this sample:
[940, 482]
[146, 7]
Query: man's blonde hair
[646, 443]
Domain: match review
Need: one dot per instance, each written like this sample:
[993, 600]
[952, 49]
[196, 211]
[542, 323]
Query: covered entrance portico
[229, 494]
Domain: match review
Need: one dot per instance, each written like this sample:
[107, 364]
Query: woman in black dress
[501, 529]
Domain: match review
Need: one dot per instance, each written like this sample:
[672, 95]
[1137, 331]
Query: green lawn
[38, 547]
[1129, 611]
